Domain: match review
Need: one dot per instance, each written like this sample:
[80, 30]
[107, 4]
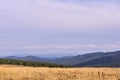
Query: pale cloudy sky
[59, 26]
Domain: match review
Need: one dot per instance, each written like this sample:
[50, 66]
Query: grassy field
[31, 73]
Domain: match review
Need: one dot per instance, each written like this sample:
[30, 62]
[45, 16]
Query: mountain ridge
[78, 61]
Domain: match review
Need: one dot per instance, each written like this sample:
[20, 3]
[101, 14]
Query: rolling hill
[110, 59]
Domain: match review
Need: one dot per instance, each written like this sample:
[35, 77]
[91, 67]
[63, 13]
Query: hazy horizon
[59, 26]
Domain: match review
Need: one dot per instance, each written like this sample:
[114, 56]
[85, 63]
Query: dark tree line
[28, 63]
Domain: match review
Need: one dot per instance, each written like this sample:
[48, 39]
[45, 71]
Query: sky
[59, 26]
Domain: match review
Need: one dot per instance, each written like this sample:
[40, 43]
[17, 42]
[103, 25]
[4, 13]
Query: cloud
[68, 47]
[58, 49]
[63, 48]
[73, 47]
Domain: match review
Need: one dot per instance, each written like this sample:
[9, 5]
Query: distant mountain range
[97, 59]
[45, 55]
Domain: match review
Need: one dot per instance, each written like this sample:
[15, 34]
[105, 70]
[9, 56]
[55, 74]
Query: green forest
[27, 63]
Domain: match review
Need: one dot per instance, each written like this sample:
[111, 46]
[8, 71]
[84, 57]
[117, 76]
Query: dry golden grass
[31, 73]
